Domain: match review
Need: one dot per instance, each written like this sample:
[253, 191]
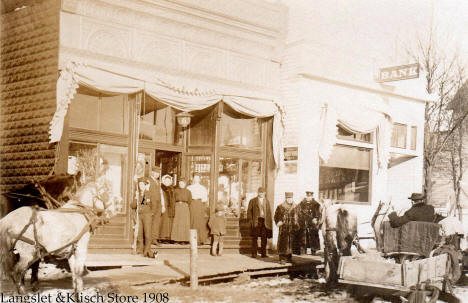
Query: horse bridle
[90, 214]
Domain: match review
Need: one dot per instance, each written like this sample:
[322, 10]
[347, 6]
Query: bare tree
[445, 73]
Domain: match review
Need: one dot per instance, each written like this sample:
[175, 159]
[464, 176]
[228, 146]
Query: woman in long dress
[181, 225]
[167, 217]
[198, 209]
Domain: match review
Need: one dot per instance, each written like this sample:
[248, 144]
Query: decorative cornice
[187, 80]
[360, 87]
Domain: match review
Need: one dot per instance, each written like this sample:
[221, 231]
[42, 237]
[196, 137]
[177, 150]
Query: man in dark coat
[169, 205]
[420, 211]
[145, 215]
[287, 221]
[309, 217]
[259, 216]
[156, 206]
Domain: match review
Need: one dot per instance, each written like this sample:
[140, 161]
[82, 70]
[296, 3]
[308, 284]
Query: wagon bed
[399, 278]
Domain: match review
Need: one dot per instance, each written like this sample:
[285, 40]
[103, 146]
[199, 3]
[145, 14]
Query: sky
[376, 33]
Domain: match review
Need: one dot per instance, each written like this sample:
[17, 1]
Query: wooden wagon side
[397, 279]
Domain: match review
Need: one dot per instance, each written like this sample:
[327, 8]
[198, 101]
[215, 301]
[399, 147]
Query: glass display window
[201, 165]
[158, 123]
[346, 176]
[201, 128]
[399, 134]
[353, 136]
[99, 113]
[89, 159]
[240, 131]
[251, 181]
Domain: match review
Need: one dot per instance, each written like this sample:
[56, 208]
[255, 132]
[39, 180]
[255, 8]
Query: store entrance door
[170, 163]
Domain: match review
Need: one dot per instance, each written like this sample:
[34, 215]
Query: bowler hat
[417, 196]
[288, 194]
[309, 192]
[261, 189]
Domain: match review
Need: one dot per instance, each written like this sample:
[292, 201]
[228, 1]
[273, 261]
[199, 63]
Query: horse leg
[34, 275]
[77, 263]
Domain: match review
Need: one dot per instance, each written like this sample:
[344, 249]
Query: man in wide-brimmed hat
[420, 211]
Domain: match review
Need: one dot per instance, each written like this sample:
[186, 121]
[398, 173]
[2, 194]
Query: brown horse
[29, 234]
[339, 230]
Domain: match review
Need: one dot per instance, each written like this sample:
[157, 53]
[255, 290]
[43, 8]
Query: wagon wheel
[429, 295]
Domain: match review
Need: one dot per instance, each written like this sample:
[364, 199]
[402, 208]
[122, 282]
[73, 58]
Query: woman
[168, 216]
[181, 225]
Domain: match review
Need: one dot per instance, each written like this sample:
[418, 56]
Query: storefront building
[121, 72]
[112, 76]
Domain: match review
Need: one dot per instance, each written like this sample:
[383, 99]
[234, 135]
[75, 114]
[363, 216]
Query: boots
[220, 250]
[215, 246]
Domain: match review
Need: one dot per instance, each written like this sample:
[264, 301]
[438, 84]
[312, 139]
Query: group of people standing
[166, 213]
[298, 225]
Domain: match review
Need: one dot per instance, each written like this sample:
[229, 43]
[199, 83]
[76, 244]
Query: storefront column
[216, 139]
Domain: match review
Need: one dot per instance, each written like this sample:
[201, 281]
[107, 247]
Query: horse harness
[93, 220]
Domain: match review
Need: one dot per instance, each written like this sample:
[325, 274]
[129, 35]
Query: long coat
[253, 213]
[155, 196]
[286, 213]
[417, 212]
[309, 231]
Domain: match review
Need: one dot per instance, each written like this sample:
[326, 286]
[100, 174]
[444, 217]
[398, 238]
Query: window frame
[371, 148]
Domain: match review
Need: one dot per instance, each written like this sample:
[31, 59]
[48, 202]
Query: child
[217, 225]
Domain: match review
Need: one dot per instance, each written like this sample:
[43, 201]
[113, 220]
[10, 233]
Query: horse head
[99, 197]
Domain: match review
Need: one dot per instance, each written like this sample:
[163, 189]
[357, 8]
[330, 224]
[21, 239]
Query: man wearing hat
[309, 217]
[259, 216]
[420, 211]
[156, 204]
[287, 221]
[145, 213]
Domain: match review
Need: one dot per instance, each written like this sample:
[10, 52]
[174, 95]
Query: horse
[30, 234]
[339, 231]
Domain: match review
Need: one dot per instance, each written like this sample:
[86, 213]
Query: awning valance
[110, 82]
[356, 111]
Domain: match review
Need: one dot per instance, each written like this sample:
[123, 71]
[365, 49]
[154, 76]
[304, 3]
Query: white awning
[358, 111]
[113, 83]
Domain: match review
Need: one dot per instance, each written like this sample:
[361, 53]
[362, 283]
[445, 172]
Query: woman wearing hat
[167, 217]
[420, 211]
[181, 225]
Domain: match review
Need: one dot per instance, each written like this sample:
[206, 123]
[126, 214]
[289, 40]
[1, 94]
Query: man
[420, 211]
[156, 205]
[309, 216]
[198, 209]
[169, 203]
[145, 214]
[287, 222]
[259, 216]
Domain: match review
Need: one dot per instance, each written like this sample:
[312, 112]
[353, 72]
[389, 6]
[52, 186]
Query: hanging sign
[290, 153]
[397, 73]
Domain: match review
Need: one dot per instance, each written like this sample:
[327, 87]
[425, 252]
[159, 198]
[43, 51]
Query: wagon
[406, 266]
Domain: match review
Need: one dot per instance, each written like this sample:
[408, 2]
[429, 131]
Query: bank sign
[397, 73]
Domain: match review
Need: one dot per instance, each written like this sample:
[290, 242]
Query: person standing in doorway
[167, 216]
[156, 205]
[287, 222]
[181, 225]
[309, 218]
[198, 209]
[259, 217]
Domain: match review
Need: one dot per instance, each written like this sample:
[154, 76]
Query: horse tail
[4, 248]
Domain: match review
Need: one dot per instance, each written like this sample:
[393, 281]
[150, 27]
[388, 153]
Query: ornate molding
[171, 22]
